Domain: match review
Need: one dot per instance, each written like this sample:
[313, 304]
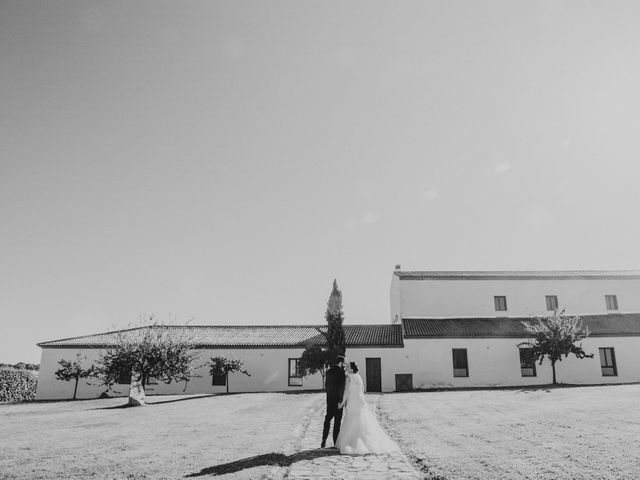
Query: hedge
[17, 385]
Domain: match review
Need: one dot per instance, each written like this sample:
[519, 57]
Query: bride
[360, 432]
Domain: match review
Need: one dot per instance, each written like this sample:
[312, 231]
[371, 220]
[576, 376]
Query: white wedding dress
[360, 432]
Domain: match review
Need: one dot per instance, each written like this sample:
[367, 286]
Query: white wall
[492, 362]
[49, 388]
[587, 371]
[268, 368]
[392, 361]
[496, 362]
[474, 298]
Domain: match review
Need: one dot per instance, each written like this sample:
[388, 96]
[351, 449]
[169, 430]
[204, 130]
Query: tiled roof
[518, 275]
[599, 326]
[257, 336]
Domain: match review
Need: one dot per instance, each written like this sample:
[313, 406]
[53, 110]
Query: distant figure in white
[360, 432]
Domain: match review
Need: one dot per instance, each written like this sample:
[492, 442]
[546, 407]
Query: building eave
[517, 275]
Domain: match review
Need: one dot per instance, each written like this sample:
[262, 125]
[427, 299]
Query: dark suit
[334, 384]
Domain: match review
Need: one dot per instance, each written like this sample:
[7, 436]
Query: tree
[222, 366]
[164, 352]
[314, 360]
[334, 335]
[72, 370]
[556, 336]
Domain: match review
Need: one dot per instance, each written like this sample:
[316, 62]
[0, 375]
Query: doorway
[374, 375]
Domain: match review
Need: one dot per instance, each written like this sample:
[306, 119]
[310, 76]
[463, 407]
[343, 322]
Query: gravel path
[314, 463]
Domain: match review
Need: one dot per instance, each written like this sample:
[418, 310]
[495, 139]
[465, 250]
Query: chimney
[398, 267]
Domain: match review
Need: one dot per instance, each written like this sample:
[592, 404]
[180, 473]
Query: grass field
[586, 433]
[172, 438]
[581, 433]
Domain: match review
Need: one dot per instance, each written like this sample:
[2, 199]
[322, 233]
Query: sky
[222, 162]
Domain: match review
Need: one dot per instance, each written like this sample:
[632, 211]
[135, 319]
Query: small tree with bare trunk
[314, 360]
[222, 366]
[73, 370]
[555, 337]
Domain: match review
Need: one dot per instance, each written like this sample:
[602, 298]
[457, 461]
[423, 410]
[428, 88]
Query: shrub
[21, 366]
[17, 385]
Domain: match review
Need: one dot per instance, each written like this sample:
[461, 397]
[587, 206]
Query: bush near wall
[21, 366]
[17, 385]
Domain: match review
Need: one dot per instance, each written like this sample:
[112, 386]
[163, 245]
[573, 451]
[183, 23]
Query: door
[374, 375]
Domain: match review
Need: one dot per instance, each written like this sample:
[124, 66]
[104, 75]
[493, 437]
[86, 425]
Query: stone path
[314, 463]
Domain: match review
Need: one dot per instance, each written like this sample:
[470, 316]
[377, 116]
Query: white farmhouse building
[269, 353]
[462, 329]
[447, 330]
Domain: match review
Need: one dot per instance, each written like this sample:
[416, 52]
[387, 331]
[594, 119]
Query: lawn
[556, 434]
[172, 438]
[586, 433]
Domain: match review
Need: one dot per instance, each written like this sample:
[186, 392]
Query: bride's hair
[354, 366]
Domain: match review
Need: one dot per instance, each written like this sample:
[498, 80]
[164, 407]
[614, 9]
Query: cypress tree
[334, 317]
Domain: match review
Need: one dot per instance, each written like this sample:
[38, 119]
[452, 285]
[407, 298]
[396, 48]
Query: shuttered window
[460, 364]
[295, 377]
[611, 301]
[527, 363]
[552, 302]
[608, 362]
[500, 303]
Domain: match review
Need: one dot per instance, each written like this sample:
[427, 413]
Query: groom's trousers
[335, 413]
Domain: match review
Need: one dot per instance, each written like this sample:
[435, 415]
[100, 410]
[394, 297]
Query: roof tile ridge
[632, 271]
[257, 326]
[92, 335]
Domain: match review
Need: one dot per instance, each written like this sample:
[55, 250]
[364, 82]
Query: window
[500, 303]
[152, 380]
[552, 302]
[608, 362]
[612, 302]
[527, 363]
[460, 365]
[220, 380]
[295, 377]
[404, 382]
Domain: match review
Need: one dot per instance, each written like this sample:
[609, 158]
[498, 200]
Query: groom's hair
[339, 359]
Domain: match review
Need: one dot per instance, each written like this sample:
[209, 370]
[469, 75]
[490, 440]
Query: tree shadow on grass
[549, 387]
[184, 399]
[273, 459]
[115, 407]
[160, 402]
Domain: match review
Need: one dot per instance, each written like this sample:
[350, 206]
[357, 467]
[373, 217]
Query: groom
[335, 389]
